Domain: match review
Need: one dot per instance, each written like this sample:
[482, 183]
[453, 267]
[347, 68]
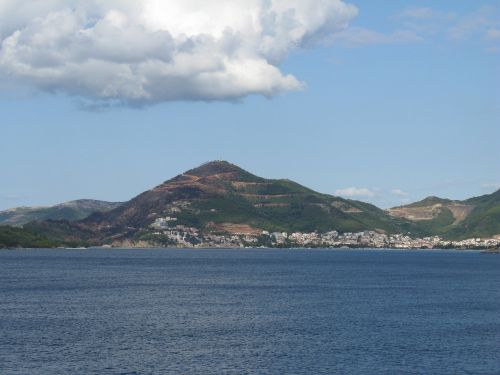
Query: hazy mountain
[74, 210]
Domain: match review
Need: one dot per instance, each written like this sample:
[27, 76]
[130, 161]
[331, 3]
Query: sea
[249, 311]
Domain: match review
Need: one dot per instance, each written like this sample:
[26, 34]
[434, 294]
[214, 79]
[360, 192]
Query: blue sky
[402, 104]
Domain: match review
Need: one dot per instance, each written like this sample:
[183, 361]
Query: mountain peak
[215, 170]
[429, 201]
[214, 167]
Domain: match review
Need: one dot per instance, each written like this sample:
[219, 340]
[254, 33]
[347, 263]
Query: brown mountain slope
[221, 197]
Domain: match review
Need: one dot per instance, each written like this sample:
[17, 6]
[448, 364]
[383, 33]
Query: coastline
[367, 249]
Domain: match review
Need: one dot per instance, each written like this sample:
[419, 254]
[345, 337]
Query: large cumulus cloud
[150, 51]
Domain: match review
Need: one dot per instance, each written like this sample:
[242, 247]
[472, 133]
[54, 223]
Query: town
[164, 231]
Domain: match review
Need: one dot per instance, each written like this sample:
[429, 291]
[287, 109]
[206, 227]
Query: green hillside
[11, 237]
[429, 201]
[440, 224]
[218, 195]
[474, 217]
[483, 221]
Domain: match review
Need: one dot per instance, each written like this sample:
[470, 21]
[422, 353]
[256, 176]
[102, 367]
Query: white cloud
[358, 36]
[149, 51]
[477, 22]
[425, 22]
[483, 22]
[399, 193]
[352, 192]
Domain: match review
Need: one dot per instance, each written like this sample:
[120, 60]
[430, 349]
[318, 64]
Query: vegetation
[281, 205]
[220, 196]
[11, 237]
[438, 225]
[483, 220]
[429, 201]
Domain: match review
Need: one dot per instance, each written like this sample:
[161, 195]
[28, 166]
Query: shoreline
[481, 250]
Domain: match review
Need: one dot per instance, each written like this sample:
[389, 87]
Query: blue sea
[249, 312]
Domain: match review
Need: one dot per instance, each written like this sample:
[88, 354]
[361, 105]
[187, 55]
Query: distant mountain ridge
[474, 217]
[220, 197]
[72, 210]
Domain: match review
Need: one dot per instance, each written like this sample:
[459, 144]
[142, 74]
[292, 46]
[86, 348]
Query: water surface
[249, 312]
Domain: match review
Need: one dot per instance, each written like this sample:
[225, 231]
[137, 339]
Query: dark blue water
[249, 312]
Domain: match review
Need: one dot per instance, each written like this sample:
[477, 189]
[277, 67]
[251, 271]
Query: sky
[382, 101]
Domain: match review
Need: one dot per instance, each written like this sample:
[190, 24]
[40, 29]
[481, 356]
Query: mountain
[220, 197]
[74, 210]
[474, 217]
[484, 219]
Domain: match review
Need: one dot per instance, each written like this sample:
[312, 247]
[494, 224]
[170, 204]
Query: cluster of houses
[473, 243]
[168, 232]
